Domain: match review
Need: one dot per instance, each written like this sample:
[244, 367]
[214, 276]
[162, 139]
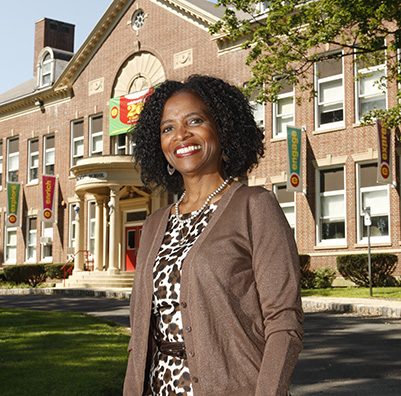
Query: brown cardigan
[240, 299]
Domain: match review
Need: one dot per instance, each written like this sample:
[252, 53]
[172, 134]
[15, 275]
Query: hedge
[354, 267]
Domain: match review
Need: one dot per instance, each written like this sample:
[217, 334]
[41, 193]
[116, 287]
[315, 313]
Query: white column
[99, 234]
[114, 230]
[79, 260]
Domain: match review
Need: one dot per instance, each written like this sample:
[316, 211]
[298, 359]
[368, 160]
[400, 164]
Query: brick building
[57, 124]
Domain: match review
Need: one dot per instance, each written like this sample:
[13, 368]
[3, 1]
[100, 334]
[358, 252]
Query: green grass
[392, 293]
[60, 353]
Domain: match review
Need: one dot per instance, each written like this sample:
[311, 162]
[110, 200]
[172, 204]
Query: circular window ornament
[138, 19]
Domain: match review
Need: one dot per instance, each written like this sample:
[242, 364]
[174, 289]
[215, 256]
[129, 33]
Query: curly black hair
[241, 139]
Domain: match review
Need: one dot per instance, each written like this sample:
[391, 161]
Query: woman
[215, 306]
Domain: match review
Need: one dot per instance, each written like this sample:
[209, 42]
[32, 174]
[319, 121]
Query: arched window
[46, 69]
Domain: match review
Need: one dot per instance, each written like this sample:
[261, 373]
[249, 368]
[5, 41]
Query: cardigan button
[195, 380]
[183, 304]
[191, 353]
[188, 329]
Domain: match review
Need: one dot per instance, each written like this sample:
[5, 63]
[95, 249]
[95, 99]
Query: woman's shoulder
[157, 216]
[251, 193]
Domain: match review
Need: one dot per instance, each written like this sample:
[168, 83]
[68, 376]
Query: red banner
[384, 154]
[48, 192]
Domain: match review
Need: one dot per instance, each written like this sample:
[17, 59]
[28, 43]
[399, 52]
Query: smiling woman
[215, 307]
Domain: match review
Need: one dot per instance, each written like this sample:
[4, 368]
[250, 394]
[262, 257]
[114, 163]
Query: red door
[132, 237]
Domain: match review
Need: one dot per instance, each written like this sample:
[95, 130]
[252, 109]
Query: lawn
[60, 353]
[392, 293]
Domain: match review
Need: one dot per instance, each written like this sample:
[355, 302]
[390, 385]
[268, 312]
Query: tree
[285, 39]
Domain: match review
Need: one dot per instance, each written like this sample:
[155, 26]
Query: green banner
[125, 110]
[13, 192]
[294, 173]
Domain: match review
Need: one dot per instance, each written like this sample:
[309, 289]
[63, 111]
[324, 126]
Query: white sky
[17, 29]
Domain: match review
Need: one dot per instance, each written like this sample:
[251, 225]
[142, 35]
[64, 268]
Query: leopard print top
[169, 375]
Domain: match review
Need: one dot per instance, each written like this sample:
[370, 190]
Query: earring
[170, 169]
[224, 157]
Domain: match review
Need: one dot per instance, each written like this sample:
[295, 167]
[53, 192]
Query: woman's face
[189, 137]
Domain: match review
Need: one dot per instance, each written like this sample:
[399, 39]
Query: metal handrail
[89, 263]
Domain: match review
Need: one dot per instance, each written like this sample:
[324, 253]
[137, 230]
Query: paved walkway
[361, 306]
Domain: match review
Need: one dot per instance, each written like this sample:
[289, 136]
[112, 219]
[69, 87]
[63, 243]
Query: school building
[58, 137]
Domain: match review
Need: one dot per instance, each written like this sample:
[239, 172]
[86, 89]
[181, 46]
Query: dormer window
[46, 69]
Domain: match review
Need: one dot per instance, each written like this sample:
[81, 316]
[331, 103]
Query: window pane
[98, 144]
[285, 106]
[35, 160]
[331, 113]
[331, 91]
[368, 174]
[78, 129]
[282, 122]
[13, 146]
[284, 196]
[11, 253]
[332, 206]
[376, 200]
[290, 214]
[78, 148]
[332, 180]
[13, 162]
[369, 103]
[49, 157]
[330, 67]
[333, 230]
[379, 226]
[49, 142]
[368, 84]
[96, 124]
[12, 238]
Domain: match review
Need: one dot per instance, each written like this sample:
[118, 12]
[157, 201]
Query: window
[13, 160]
[11, 245]
[1, 163]
[72, 225]
[377, 198]
[47, 242]
[283, 111]
[121, 144]
[91, 226]
[46, 70]
[330, 93]
[77, 141]
[287, 203]
[49, 155]
[370, 94]
[331, 206]
[96, 135]
[258, 108]
[31, 239]
[33, 160]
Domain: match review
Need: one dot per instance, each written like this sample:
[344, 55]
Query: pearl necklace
[197, 212]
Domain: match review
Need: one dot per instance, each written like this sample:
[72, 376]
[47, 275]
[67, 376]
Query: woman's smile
[189, 137]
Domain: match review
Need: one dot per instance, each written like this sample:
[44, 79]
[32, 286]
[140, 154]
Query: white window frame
[319, 216]
[277, 115]
[126, 149]
[287, 205]
[47, 231]
[94, 135]
[74, 156]
[7, 245]
[318, 82]
[29, 244]
[46, 152]
[12, 155]
[31, 156]
[1, 164]
[72, 225]
[359, 97]
[91, 226]
[360, 215]
[48, 63]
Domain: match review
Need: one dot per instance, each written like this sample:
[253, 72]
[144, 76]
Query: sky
[17, 29]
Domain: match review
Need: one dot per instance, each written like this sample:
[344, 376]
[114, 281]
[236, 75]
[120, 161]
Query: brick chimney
[54, 34]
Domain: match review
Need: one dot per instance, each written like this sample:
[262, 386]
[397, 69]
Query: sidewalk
[360, 306]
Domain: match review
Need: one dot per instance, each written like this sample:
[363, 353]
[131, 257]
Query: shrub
[307, 276]
[354, 267]
[55, 271]
[2, 276]
[33, 274]
[324, 277]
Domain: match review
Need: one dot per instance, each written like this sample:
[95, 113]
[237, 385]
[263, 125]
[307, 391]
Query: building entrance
[132, 238]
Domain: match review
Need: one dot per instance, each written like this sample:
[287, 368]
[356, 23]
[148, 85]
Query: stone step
[96, 279]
